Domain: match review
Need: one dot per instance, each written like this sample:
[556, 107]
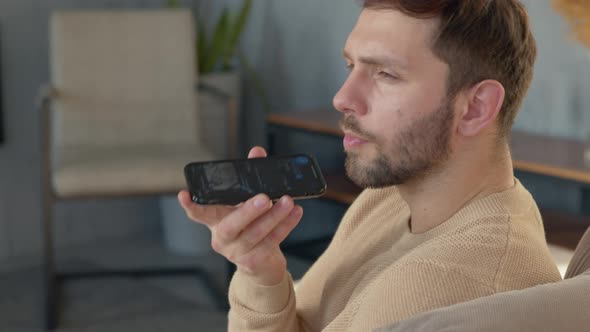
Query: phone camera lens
[302, 160]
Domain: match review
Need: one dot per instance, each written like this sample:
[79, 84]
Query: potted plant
[218, 60]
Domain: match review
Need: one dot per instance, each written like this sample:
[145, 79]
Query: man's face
[397, 118]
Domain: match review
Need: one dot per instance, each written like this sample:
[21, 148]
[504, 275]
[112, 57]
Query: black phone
[230, 182]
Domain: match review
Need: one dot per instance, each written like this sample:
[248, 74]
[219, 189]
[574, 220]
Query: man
[563, 306]
[433, 90]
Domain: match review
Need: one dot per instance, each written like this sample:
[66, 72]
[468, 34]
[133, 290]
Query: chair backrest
[123, 78]
[580, 262]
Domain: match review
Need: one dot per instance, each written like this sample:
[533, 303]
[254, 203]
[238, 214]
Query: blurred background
[288, 59]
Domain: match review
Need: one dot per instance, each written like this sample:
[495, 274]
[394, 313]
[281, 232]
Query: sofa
[562, 306]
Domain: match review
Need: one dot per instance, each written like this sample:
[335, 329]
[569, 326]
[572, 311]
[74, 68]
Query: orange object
[578, 14]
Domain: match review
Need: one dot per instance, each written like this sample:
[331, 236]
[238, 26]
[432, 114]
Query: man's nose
[351, 98]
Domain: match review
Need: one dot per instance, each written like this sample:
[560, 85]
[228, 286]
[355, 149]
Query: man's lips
[352, 141]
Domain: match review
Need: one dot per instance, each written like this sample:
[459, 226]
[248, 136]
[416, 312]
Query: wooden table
[555, 157]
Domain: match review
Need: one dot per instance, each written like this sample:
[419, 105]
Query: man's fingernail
[260, 202]
[284, 201]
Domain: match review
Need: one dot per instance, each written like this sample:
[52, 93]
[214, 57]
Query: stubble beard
[417, 151]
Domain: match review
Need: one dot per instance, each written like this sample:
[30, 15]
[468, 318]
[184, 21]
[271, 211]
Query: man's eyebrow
[381, 61]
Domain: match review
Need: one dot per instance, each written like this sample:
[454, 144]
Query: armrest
[46, 95]
[560, 306]
[218, 114]
[581, 260]
[214, 91]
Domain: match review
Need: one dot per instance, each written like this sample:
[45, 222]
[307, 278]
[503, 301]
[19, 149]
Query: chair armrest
[221, 117]
[46, 95]
[214, 91]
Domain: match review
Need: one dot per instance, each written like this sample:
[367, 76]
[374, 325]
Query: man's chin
[362, 181]
[352, 170]
[371, 173]
[359, 173]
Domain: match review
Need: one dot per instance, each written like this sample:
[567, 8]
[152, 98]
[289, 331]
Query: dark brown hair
[479, 40]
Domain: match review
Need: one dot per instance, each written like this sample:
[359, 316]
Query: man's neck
[437, 197]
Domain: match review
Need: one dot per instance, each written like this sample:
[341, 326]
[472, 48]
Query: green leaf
[236, 31]
[217, 43]
[172, 4]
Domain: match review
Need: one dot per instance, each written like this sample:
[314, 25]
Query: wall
[297, 51]
[558, 102]
[294, 46]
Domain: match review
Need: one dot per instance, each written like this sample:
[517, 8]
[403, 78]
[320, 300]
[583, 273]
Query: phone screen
[234, 181]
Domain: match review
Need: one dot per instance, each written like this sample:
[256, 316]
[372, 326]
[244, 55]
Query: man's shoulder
[515, 201]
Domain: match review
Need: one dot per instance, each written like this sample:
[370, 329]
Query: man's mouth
[351, 141]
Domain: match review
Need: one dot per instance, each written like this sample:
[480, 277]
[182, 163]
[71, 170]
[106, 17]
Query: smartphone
[230, 182]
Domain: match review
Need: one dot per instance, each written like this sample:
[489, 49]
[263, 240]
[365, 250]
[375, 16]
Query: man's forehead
[388, 17]
[391, 30]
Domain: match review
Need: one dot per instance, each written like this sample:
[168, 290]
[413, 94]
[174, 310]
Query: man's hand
[249, 234]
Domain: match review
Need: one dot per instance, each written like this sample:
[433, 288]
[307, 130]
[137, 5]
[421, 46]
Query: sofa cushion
[560, 306]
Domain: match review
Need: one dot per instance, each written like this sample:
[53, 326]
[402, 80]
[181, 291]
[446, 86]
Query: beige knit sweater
[376, 272]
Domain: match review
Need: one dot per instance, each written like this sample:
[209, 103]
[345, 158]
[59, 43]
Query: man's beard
[417, 151]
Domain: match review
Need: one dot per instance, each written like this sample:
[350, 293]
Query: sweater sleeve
[411, 289]
[262, 308]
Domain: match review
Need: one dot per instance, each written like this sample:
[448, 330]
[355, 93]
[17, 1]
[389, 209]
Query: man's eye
[386, 75]
[349, 67]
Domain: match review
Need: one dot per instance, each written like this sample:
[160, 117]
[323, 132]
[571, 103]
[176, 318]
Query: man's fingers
[184, 198]
[280, 233]
[209, 215]
[241, 217]
[257, 152]
[259, 229]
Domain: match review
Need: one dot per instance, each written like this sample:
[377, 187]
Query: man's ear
[485, 101]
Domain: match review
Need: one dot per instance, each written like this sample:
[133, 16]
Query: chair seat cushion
[121, 171]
